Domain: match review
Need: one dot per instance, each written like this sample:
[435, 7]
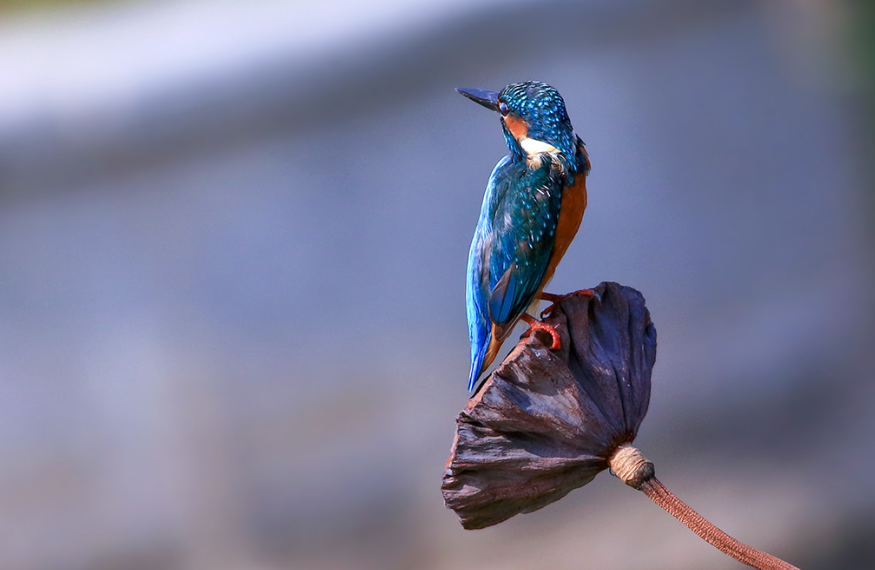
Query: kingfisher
[532, 208]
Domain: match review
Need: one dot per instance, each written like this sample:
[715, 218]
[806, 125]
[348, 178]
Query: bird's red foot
[535, 324]
[554, 299]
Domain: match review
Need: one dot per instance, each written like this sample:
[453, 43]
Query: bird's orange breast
[570, 216]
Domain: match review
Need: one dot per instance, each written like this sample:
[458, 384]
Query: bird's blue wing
[510, 251]
[478, 287]
[525, 225]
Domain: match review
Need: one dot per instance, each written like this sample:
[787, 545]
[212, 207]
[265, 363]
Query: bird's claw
[535, 324]
[557, 298]
[548, 311]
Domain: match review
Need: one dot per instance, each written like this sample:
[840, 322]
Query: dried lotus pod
[546, 422]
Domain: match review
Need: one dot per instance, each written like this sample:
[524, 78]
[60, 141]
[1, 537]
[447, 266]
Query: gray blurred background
[233, 239]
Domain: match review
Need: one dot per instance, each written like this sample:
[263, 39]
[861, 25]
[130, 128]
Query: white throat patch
[533, 147]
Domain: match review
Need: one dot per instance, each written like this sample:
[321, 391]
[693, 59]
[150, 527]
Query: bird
[532, 208]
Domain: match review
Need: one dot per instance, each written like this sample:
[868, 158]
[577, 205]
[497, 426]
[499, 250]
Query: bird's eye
[502, 108]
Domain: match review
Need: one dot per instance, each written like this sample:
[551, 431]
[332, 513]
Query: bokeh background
[233, 239]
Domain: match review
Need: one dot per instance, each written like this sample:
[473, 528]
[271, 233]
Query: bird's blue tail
[476, 364]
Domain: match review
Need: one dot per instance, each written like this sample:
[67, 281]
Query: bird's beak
[488, 99]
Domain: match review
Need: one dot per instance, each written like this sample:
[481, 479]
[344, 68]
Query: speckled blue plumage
[515, 233]
[544, 111]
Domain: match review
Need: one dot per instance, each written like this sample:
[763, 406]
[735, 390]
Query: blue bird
[531, 211]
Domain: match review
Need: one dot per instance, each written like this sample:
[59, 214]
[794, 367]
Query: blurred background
[233, 239]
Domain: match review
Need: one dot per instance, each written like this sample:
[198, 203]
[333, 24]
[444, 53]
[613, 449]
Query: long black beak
[488, 99]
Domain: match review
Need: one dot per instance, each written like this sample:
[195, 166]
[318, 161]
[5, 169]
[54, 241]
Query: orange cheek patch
[516, 126]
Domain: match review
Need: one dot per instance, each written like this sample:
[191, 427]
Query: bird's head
[533, 118]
